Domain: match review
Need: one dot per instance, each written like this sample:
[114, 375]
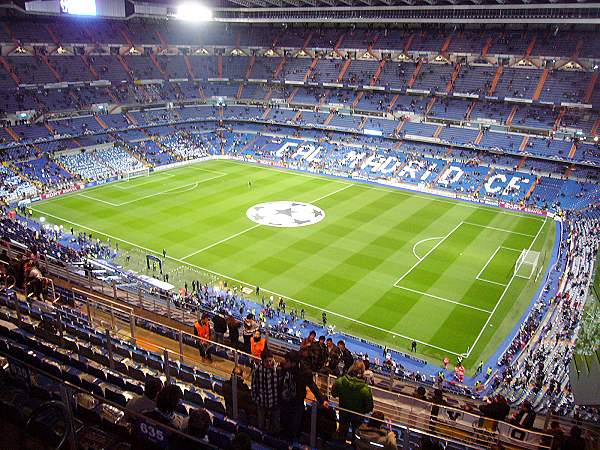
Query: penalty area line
[485, 325]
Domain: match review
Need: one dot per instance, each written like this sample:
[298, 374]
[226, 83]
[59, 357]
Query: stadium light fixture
[194, 12]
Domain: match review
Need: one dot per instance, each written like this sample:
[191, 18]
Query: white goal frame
[527, 264]
[132, 174]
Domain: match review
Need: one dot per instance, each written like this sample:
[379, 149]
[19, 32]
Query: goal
[144, 172]
[527, 263]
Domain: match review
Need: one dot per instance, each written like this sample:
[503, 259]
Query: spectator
[575, 441]
[496, 409]
[296, 376]
[374, 434]
[202, 330]
[233, 326]
[246, 407]
[166, 403]
[265, 393]
[332, 360]
[558, 436]
[345, 356]
[250, 327]
[147, 402]
[198, 423]
[354, 396]
[220, 327]
[241, 441]
[258, 344]
[524, 417]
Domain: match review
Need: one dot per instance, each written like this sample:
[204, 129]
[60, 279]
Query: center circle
[285, 214]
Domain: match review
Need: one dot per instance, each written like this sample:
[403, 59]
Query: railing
[408, 414]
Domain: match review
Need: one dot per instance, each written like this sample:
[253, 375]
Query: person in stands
[220, 327]
[147, 402]
[258, 344]
[524, 417]
[250, 326]
[332, 358]
[233, 326]
[265, 392]
[202, 330]
[375, 434]
[345, 356]
[166, 403]
[245, 404]
[295, 377]
[354, 396]
[575, 440]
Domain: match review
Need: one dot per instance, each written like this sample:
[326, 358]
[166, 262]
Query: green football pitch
[387, 265]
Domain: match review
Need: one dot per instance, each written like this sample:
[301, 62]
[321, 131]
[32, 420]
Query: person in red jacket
[202, 330]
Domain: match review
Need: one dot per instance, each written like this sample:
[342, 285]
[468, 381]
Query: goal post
[527, 264]
[137, 173]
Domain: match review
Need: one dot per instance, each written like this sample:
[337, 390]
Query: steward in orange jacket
[202, 330]
[258, 344]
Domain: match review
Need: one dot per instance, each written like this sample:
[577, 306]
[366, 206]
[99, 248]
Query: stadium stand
[508, 117]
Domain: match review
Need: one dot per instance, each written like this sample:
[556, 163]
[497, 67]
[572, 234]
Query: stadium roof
[359, 3]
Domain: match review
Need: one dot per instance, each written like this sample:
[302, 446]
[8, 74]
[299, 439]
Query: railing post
[132, 327]
[59, 326]
[234, 395]
[114, 286]
[140, 297]
[17, 307]
[406, 438]
[72, 445]
[168, 307]
[88, 309]
[166, 366]
[111, 361]
[313, 425]
[236, 356]
[112, 318]
[181, 346]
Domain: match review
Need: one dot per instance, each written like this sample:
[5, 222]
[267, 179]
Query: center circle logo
[285, 214]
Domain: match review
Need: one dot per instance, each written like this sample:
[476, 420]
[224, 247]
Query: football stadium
[299, 224]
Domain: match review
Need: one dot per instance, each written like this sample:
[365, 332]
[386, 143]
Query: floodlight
[194, 12]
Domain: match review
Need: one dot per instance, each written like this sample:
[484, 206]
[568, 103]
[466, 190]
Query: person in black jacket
[219, 327]
[295, 377]
[233, 326]
[345, 356]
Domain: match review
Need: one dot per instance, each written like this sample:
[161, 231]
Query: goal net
[144, 172]
[527, 264]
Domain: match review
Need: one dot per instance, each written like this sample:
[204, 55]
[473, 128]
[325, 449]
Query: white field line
[253, 227]
[503, 294]
[97, 199]
[214, 244]
[499, 229]
[427, 254]
[399, 190]
[190, 186]
[490, 281]
[420, 242]
[331, 313]
[487, 263]
[444, 299]
[155, 178]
